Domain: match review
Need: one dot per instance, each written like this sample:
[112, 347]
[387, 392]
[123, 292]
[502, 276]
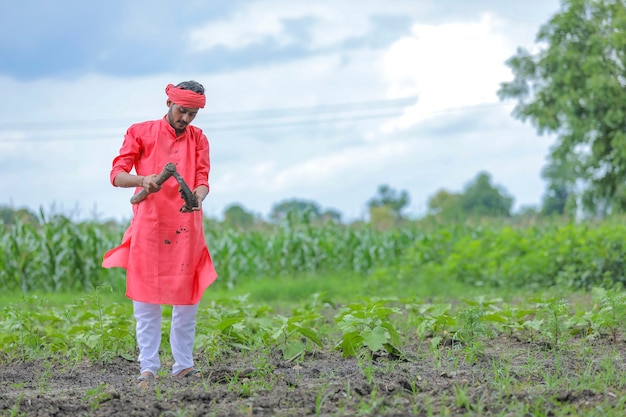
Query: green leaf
[310, 334]
[394, 336]
[376, 338]
[434, 343]
[350, 343]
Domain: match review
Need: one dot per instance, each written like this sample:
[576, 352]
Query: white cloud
[448, 66]
[335, 21]
[337, 165]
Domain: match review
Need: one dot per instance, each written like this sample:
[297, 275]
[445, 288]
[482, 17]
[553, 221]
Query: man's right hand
[149, 184]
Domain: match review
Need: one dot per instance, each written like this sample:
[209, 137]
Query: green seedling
[291, 330]
[435, 321]
[98, 395]
[556, 318]
[510, 318]
[611, 310]
[320, 399]
[461, 396]
[368, 326]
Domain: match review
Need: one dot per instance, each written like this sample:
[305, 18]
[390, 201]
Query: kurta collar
[165, 125]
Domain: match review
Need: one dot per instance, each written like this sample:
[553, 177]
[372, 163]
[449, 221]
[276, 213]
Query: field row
[97, 330]
[62, 256]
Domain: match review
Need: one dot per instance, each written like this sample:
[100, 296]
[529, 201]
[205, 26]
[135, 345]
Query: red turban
[185, 98]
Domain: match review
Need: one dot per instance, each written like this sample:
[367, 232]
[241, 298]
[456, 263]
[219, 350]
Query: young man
[164, 249]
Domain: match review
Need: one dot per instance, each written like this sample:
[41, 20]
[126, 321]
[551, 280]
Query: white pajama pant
[182, 335]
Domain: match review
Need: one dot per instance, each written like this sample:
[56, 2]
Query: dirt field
[510, 378]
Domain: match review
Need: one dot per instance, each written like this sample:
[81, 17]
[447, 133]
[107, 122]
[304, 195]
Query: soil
[508, 377]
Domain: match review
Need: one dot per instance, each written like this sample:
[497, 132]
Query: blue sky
[321, 100]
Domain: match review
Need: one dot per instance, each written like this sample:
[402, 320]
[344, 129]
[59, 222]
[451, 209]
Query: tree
[445, 205]
[388, 197]
[236, 216]
[482, 199]
[383, 217]
[281, 210]
[560, 196]
[575, 88]
[9, 215]
[331, 215]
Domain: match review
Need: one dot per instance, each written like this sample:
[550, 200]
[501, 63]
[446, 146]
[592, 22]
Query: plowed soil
[508, 378]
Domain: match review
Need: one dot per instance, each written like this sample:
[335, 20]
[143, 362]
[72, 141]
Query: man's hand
[200, 193]
[149, 184]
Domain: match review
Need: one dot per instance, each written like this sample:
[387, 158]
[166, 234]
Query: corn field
[60, 255]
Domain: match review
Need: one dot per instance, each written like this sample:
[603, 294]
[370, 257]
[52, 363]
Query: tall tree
[574, 87]
[483, 199]
[560, 196]
[331, 215]
[9, 215]
[391, 198]
[281, 210]
[237, 216]
[445, 205]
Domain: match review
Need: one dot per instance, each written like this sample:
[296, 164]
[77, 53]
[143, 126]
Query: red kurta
[163, 250]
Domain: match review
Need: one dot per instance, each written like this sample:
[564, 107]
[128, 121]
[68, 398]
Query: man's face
[179, 117]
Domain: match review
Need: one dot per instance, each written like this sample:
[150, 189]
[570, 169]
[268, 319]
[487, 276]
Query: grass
[463, 350]
[281, 291]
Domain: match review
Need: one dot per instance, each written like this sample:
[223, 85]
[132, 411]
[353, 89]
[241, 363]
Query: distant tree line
[480, 199]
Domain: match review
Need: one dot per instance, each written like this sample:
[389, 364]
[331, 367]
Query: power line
[273, 119]
[285, 112]
[211, 130]
[278, 118]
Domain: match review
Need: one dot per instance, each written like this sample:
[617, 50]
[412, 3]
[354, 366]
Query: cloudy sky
[319, 100]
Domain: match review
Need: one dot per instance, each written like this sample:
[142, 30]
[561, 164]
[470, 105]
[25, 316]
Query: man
[164, 249]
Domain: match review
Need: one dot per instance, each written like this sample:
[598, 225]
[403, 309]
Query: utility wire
[208, 129]
[305, 111]
[229, 122]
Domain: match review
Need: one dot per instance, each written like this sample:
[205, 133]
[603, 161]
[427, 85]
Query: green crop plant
[64, 255]
[611, 310]
[471, 325]
[56, 255]
[60, 255]
[320, 398]
[433, 321]
[24, 327]
[510, 318]
[297, 246]
[291, 330]
[14, 411]
[232, 323]
[471, 328]
[96, 396]
[461, 396]
[368, 326]
[502, 378]
[102, 330]
[556, 317]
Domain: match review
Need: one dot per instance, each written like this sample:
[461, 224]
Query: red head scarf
[185, 98]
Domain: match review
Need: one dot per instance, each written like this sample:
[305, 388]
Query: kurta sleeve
[203, 162]
[128, 155]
